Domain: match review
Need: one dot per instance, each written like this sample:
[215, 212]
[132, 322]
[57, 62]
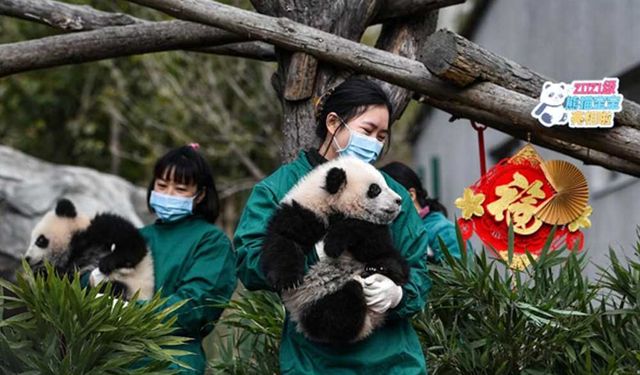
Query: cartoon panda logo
[550, 111]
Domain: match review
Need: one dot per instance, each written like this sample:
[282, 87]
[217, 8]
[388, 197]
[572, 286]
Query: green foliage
[251, 344]
[65, 329]
[485, 318]
[545, 319]
[120, 115]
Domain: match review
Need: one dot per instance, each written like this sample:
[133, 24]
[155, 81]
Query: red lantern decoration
[531, 195]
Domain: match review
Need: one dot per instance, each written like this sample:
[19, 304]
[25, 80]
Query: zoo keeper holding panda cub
[353, 120]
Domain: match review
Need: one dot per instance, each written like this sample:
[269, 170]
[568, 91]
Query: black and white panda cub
[108, 245]
[347, 204]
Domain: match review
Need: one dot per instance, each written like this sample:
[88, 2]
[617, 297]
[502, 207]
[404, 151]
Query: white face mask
[361, 146]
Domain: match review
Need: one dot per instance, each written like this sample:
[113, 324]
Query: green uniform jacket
[194, 261]
[437, 225]
[392, 349]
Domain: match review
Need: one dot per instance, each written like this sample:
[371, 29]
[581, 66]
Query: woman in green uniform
[193, 259]
[353, 120]
[432, 213]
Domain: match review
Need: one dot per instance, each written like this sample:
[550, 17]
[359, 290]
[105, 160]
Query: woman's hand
[381, 293]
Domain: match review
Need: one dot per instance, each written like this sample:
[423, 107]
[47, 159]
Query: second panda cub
[113, 247]
[347, 204]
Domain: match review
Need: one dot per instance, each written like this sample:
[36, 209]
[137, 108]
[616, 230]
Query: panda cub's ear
[65, 208]
[336, 178]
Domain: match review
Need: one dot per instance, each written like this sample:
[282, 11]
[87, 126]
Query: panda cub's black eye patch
[374, 191]
[42, 242]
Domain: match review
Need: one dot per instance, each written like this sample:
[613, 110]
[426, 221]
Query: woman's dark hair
[189, 167]
[409, 179]
[350, 99]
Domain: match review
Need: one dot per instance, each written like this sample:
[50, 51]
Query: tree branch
[64, 16]
[462, 62]
[108, 42]
[403, 8]
[511, 108]
[69, 17]
[497, 121]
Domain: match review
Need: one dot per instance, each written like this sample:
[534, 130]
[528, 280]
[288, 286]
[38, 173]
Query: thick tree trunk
[300, 78]
[405, 38]
[510, 108]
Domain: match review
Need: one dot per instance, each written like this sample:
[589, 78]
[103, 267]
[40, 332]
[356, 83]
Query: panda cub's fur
[347, 204]
[108, 242]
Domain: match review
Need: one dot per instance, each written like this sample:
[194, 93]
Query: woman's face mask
[361, 146]
[170, 208]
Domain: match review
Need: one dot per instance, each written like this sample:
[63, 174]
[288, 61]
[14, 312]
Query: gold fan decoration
[572, 193]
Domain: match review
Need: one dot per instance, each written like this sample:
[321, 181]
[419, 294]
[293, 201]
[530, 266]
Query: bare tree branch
[64, 16]
[69, 17]
[511, 107]
[251, 50]
[403, 8]
[497, 121]
[462, 62]
[108, 42]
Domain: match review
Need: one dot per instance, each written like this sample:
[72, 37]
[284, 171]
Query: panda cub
[347, 204]
[108, 245]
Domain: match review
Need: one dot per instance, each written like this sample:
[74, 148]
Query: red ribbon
[480, 129]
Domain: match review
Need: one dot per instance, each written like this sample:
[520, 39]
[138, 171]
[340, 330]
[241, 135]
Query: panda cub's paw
[286, 275]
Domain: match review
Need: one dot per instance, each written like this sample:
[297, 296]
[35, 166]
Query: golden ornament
[470, 204]
[571, 197]
[518, 261]
[582, 221]
[526, 154]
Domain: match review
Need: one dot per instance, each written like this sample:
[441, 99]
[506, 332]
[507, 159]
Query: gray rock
[30, 187]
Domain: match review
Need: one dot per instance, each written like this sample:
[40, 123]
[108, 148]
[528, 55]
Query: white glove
[96, 277]
[115, 300]
[319, 246]
[381, 293]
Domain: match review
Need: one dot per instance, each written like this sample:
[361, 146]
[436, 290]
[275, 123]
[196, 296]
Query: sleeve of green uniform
[411, 240]
[250, 235]
[210, 281]
[447, 232]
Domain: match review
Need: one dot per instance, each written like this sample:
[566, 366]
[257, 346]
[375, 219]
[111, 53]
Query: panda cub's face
[51, 236]
[358, 190]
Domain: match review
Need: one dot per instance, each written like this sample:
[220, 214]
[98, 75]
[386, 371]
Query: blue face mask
[171, 208]
[361, 146]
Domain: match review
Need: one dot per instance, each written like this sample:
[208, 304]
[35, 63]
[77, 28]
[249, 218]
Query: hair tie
[194, 145]
[321, 100]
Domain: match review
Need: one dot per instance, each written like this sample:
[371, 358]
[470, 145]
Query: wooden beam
[75, 18]
[621, 142]
[108, 42]
[462, 62]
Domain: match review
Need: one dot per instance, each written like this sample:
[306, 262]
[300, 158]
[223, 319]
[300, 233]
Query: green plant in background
[486, 318]
[545, 319]
[65, 329]
[251, 343]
